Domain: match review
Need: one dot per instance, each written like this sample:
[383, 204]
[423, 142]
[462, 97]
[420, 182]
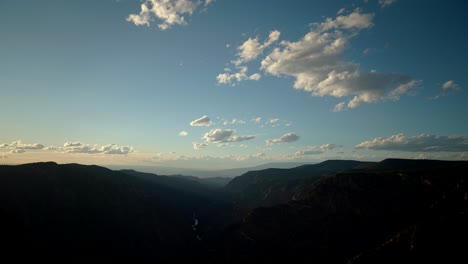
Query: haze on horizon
[218, 84]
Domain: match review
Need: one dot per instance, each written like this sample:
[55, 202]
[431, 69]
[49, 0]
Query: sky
[213, 84]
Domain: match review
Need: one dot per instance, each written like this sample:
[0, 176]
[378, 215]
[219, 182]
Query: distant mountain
[227, 173]
[273, 186]
[395, 211]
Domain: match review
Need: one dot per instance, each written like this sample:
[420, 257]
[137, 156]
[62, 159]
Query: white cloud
[234, 121]
[198, 146]
[274, 120]
[355, 20]
[418, 143]
[169, 12]
[252, 48]
[327, 147]
[257, 120]
[116, 150]
[339, 107]
[20, 145]
[71, 144]
[202, 121]
[317, 64]
[183, 133]
[241, 75]
[224, 135]
[448, 88]
[218, 135]
[111, 149]
[451, 85]
[385, 3]
[286, 138]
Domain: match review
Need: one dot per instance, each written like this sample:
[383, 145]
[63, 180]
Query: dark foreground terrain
[394, 211]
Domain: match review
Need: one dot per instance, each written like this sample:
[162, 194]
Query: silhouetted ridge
[273, 186]
[360, 216]
[82, 212]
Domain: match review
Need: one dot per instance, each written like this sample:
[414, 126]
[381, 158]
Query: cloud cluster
[197, 146]
[327, 147]
[286, 138]
[248, 51]
[224, 136]
[241, 75]
[77, 147]
[202, 121]
[170, 12]
[418, 143]
[317, 64]
[18, 147]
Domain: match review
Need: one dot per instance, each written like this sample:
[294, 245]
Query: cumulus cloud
[318, 66]
[327, 147]
[78, 147]
[169, 12]
[71, 144]
[19, 145]
[241, 75]
[248, 51]
[418, 143]
[224, 136]
[286, 138]
[199, 145]
[385, 3]
[252, 48]
[183, 133]
[202, 121]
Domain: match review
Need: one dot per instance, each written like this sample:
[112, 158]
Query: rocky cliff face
[347, 215]
[275, 186]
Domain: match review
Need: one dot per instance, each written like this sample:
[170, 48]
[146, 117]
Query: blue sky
[115, 82]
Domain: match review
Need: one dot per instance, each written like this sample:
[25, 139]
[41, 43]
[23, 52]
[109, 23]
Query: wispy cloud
[448, 88]
[286, 138]
[183, 133]
[202, 121]
[418, 143]
[198, 146]
[169, 12]
[385, 3]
